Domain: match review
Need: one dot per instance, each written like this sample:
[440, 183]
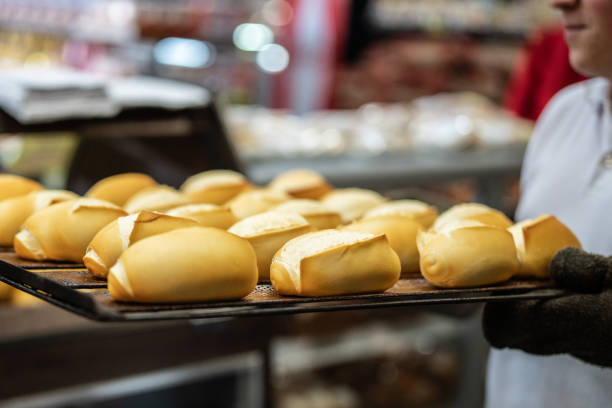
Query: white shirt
[565, 173]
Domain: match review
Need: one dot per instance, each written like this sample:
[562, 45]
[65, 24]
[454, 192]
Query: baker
[558, 352]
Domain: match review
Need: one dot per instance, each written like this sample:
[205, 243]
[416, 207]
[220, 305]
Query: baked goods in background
[215, 186]
[110, 242]
[301, 183]
[207, 215]
[158, 198]
[401, 233]
[537, 241]
[422, 212]
[334, 262]
[352, 203]
[62, 231]
[467, 253]
[256, 201]
[119, 188]
[14, 211]
[472, 211]
[196, 264]
[12, 185]
[267, 232]
[316, 213]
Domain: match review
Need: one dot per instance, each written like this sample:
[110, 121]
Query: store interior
[432, 100]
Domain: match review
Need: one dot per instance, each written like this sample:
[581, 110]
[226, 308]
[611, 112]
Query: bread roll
[301, 183]
[23, 299]
[215, 186]
[422, 212]
[352, 203]
[401, 233]
[256, 201]
[14, 211]
[472, 211]
[110, 242]
[159, 198]
[119, 188]
[316, 213]
[197, 264]
[467, 253]
[207, 215]
[537, 241]
[334, 262]
[62, 231]
[15, 186]
[267, 232]
[6, 292]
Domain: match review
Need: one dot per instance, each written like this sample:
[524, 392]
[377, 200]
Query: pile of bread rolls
[218, 235]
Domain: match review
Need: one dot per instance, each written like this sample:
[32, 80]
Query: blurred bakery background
[426, 99]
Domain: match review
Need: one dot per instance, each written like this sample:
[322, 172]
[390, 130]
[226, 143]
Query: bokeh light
[272, 58]
[252, 37]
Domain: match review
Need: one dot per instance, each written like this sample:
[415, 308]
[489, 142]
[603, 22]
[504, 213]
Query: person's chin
[581, 61]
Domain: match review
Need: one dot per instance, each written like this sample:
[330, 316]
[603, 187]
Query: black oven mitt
[579, 324]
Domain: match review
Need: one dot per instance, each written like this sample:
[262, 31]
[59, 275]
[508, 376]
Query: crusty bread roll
[334, 262]
[14, 211]
[6, 292]
[267, 232]
[23, 299]
[207, 215]
[62, 231]
[196, 264]
[15, 186]
[316, 213]
[110, 242]
[352, 203]
[158, 198]
[256, 201]
[119, 188]
[301, 183]
[422, 212]
[537, 241]
[472, 211]
[215, 186]
[467, 253]
[401, 233]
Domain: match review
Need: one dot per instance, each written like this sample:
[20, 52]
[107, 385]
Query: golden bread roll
[215, 186]
[352, 203]
[401, 233]
[14, 211]
[334, 262]
[467, 253]
[537, 241]
[301, 183]
[267, 232]
[25, 300]
[110, 242]
[256, 201]
[196, 264]
[422, 212]
[316, 213]
[207, 215]
[158, 198]
[14, 186]
[119, 188]
[62, 231]
[472, 211]
[6, 292]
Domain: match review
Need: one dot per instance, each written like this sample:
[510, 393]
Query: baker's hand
[579, 324]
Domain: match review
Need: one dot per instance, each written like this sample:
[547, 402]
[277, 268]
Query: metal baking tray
[71, 287]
